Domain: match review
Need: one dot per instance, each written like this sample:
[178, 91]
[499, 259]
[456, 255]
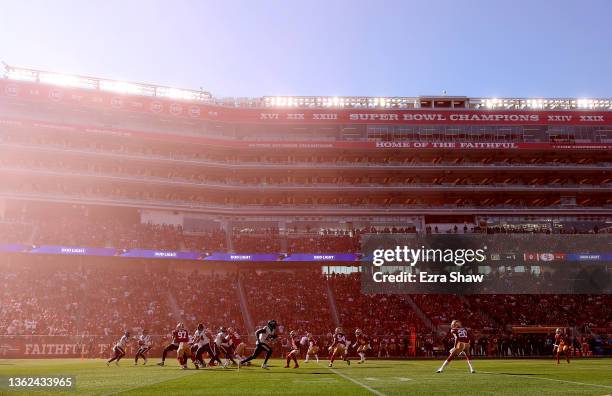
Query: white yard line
[553, 379]
[364, 386]
[149, 384]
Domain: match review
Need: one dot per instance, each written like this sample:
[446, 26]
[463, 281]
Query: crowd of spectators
[385, 315]
[14, 231]
[58, 296]
[41, 296]
[545, 309]
[298, 300]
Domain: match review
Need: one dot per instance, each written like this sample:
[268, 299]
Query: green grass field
[493, 377]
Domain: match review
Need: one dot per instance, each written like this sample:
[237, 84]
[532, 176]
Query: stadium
[130, 207]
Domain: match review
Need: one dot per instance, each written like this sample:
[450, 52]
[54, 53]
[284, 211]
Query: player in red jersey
[183, 353]
[223, 342]
[462, 345]
[313, 347]
[561, 345]
[362, 342]
[338, 348]
[294, 341]
[236, 343]
[173, 346]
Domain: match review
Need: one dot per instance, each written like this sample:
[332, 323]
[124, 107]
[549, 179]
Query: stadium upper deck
[77, 139]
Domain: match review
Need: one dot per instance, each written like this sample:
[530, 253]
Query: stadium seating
[69, 296]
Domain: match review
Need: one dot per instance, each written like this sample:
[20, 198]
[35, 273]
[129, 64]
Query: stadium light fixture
[120, 87]
[585, 103]
[21, 75]
[63, 80]
[31, 75]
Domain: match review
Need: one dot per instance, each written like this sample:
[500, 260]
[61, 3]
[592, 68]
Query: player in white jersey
[264, 337]
[119, 349]
[202, 342]
[144, 344]
[222, 340]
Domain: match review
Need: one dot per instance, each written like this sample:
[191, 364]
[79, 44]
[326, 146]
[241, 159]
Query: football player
[462, 346]
[338, 348]
[294, 341]
[561, 345]
[237, 343]
[183, 353]
[144, 344]
[313, 347]
[119, 349]
[203, 341]
[264, 337]
[222, 340]
[173, 346]
[362, 342]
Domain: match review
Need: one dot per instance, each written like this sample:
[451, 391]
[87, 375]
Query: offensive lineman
[201, 340]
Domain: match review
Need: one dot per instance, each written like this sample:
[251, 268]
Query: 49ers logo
[116, 102]
[156, 107]
[11, 90]
[55, 95]
[194, 111]
[176, 109]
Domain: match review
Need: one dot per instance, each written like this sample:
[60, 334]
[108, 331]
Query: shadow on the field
[502, 373]
[300, 372]
[366, 366]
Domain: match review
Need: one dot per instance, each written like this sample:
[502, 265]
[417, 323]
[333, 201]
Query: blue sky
[537, 48]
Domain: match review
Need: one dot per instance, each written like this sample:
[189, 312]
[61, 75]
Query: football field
[383, 377]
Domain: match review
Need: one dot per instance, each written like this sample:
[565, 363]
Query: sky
[254, 48]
